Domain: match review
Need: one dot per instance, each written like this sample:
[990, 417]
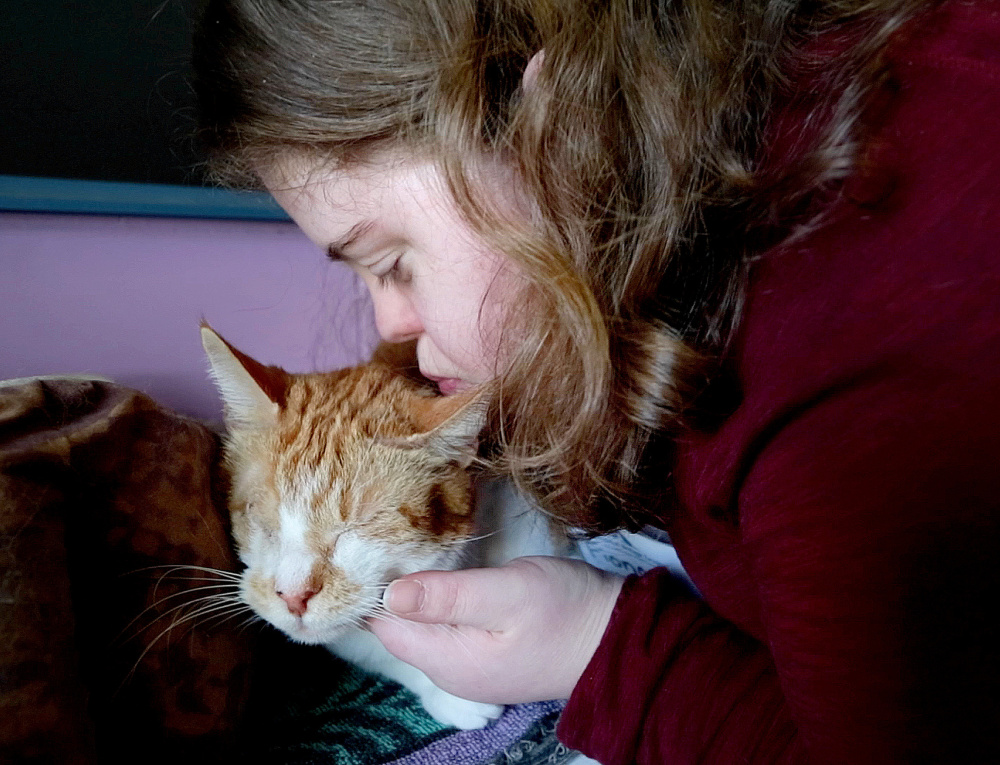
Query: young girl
[730, 271]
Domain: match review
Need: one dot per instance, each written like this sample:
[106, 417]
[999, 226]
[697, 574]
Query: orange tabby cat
[342, 482]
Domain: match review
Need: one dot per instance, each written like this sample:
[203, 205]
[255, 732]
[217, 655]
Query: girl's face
[430, 277]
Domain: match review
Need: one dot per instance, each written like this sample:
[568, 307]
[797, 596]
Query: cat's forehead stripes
[327, 414]
[326, 453]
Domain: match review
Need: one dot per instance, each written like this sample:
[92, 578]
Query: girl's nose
[395, 318]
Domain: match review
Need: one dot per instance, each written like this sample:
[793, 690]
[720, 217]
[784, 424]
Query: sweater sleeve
[869, 521]
[860, 503]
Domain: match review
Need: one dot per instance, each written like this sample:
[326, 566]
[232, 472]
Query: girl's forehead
[333, 205]
[376, 168]
[380, 180]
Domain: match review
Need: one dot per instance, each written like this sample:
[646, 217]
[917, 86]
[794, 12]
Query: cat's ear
[449, 426]
[253, 394]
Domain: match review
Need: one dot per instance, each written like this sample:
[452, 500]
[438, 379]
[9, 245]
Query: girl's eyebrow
[335, 250]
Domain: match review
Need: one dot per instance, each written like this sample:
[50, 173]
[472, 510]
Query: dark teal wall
[97, 89]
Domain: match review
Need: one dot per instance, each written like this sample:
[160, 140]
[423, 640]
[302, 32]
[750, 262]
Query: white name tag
[511, 526]
[625, 553]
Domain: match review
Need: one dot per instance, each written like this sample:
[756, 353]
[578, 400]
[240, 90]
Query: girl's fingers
[487, 598]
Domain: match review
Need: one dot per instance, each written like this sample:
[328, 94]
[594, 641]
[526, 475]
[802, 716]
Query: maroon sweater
[843, 525]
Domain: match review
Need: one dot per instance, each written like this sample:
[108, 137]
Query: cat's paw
[459, 713]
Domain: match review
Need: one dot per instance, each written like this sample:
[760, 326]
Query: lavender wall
[122, 298]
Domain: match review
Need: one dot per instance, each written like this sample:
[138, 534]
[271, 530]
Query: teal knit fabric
[311, 709]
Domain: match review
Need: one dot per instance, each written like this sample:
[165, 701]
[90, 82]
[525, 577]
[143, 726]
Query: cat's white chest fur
[363, 649]
[508, 527]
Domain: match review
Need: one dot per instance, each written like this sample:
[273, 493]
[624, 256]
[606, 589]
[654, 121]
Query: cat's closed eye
[265, 532]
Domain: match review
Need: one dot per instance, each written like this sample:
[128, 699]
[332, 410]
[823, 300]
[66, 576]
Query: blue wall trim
[30, 194]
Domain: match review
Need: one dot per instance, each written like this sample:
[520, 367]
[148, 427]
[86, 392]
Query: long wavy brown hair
[639, 147]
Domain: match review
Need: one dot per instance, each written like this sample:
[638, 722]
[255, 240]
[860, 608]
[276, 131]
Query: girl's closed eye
[396, 274]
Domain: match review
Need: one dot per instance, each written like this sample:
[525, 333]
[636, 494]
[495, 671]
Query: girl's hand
[523, 632]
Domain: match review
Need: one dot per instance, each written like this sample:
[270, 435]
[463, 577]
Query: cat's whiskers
[360, 622]
[197, 607]
[233, 609]
[158, 602]
[223, 592]
[214, 608]
[254, 618]
[463, 641]
[215, 605]
[381, 612]
[228, 577]
[218, 572]
[467, 540]
[375, 607]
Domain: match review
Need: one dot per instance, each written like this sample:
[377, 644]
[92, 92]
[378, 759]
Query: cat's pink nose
[296, 601]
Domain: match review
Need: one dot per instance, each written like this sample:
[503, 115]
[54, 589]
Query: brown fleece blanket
[97, 485]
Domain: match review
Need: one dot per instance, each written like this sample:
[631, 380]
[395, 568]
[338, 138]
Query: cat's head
[341, 482]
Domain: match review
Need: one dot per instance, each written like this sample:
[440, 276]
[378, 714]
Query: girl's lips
[447, 385]
[450, 385]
